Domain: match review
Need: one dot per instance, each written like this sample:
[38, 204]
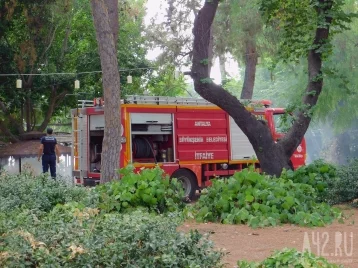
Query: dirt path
[337, 242]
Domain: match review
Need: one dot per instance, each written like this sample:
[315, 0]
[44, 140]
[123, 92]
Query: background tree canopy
[52, 36]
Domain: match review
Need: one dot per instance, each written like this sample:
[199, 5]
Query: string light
[47, 74]
[18, 83]
[77, 84]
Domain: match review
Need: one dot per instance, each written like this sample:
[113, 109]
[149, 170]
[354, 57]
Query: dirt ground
[337, 242]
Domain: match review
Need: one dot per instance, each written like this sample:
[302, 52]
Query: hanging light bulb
[129, 79]
[77, 83]
[18, 83]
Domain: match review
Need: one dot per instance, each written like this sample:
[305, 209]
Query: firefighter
[49, 151]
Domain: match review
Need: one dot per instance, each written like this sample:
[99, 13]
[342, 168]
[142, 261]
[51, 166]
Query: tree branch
[256, 132]
[7, 132]
[315, 79]
[55, 100]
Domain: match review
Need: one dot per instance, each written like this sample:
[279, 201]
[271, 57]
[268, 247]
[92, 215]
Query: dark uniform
[49, 154]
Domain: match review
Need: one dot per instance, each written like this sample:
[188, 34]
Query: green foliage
[258, 200]
[35, 193]
[204, 61]
[43, 37]
[283, 122]
[75, 236]
[320, 175]
[206, 80]
[299, 20]
[346, 188]
[290, 258]
[166, 84]
[333, 185]
[233, 86]
[150, 189]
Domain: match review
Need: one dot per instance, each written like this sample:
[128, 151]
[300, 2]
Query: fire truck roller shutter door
[188, 180]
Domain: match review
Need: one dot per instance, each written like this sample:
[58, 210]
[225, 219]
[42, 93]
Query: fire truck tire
[188, 179]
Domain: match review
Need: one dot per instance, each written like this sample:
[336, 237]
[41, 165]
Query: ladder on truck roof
[137, 99]
[165, 100]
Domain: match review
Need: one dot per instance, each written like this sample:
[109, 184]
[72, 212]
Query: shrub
[149, 189]
[346, 188]
[73, 236]
[258, 200]
[289, 258]
[25, 191]
[320, 175]
[333, 185]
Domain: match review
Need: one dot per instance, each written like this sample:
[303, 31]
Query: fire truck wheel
[188, 179]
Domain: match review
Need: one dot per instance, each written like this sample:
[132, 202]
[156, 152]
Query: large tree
[47, 39]
[317, 17]
[106, 34]
[28, 33]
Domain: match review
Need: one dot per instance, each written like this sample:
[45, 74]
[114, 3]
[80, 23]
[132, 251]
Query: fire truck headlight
[224, 166]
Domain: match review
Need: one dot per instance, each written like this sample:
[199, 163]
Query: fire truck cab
[189, 138]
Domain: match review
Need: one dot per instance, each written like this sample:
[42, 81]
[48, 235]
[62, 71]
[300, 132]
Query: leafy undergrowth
[73, 236]
[258, 200]
[44, 223]
[289, 258]
[150, 189]
[320, 175]
[333, 184]
[25, 191]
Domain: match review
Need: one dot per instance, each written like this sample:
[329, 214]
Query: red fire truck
[189, 138]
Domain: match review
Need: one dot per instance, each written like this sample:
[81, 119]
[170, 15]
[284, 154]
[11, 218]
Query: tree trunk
[112, 7]
[5, 130]
[28, 113]
[222, 61]
[250, 69]
[111, 88]
[54, 102]
[315, 78]
[273, 156]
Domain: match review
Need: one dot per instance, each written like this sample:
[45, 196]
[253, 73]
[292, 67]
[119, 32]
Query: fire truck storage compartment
[152, 137]
[95, 147]
[96, 122]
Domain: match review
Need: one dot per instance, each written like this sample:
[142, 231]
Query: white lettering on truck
[216, 139]
[191, 139]
[202, 123]
[204, 155]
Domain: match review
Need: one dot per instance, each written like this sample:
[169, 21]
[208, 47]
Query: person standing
[49, 151]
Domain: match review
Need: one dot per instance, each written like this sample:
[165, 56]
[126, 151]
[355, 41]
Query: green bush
[320, 175]
[73, 236]
[289, 258]
[258, 200]
[346, 188]
[333, 185]
[25, 191]
[149, 189]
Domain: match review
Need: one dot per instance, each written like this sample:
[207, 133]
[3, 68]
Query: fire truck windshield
[283, 122]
